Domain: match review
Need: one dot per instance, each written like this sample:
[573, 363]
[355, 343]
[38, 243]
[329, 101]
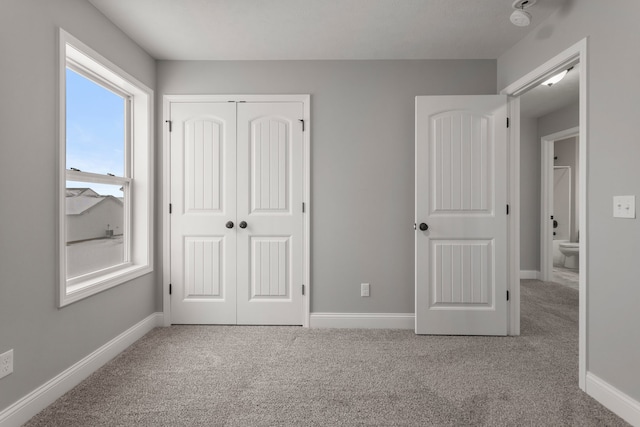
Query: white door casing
[203, 182]
[572, 55]
[237, 165]
[461, 195]
[547, 143]
[270, 195]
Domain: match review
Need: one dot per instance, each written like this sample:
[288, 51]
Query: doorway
[576, 54]
[236, 184]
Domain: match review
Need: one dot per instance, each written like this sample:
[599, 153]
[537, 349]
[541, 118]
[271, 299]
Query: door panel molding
[168, 101]
[461, 193]
[269, 178]
[203, 250]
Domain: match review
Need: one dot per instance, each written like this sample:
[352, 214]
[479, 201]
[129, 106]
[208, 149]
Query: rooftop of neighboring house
[81, 200]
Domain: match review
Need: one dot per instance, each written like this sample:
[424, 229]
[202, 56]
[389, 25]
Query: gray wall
[566, 152]
[362, 160]
[613, 347]
[529, 194]
[47, 340]
[559, 120]
[531, 131]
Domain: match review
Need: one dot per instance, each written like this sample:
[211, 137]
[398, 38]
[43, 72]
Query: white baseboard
[363, 320]
[530, 274]
[28, 406]
[616, 401]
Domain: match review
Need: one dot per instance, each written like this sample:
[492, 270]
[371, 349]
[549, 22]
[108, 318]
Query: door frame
[167, 100]
[547, 144]
[572, 55]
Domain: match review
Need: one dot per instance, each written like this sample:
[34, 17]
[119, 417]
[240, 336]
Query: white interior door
[237, 222]
[461, 196]
[270, 190]
[203, 197]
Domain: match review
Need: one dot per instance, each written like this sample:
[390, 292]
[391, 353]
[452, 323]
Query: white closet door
[461, 195]
[203, 196]
[270, 190]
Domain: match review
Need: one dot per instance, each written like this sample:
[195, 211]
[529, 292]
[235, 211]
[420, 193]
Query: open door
[461, 215]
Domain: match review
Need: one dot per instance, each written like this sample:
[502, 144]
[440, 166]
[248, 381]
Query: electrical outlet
[364, 289]
[6, 363]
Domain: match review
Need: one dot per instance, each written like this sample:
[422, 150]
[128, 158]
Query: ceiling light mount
[523, 4]
[519, 17]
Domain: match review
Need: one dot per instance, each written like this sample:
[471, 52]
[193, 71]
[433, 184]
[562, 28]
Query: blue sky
[95, 130]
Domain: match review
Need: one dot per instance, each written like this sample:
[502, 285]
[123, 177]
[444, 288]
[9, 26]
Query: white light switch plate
[624, 206]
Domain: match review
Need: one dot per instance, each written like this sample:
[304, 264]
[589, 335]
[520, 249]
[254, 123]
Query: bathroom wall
[562, 202]
[566, 153]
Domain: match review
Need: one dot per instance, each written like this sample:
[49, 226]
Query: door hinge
[507, 209]
[302, 207]
[169, 288]
[302, 121]
[302, 289]
[168, 121]
[507, 295]
[170, 208]
[508, 122]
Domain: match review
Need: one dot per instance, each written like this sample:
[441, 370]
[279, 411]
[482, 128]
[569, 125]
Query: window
[105, 173]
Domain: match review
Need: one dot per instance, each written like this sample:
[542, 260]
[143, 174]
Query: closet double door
[236, 220]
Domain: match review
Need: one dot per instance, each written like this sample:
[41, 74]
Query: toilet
[570, 251]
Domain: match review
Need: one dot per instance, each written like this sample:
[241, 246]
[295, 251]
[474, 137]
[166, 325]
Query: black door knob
[242, 224]
[423, 226]
[229, 224]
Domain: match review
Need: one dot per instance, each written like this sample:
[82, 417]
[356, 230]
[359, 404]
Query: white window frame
[138, 171]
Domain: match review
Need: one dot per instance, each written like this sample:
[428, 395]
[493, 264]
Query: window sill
[79, 291]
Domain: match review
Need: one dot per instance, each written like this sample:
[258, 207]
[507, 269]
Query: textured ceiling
[321, 29]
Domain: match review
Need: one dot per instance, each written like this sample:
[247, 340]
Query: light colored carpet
[289, 376]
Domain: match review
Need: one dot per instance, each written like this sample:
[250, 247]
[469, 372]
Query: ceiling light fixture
[519, 17]
[555, 79]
